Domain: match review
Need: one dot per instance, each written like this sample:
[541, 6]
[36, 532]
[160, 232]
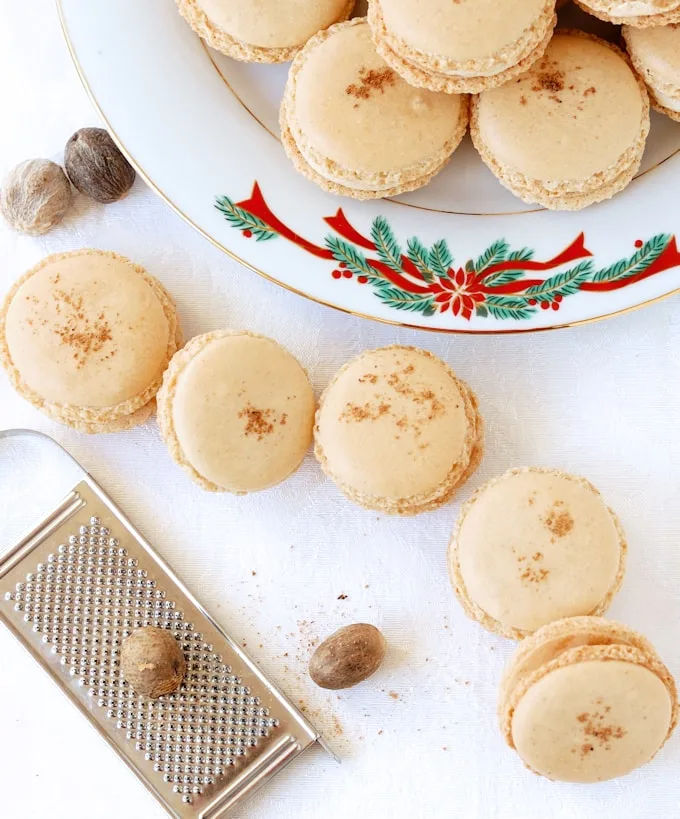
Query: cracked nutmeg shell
[96, 167]
[348, 657]
[152, 662]
[35, 196]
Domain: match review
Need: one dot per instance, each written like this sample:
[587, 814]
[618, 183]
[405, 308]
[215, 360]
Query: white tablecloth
[420, 739]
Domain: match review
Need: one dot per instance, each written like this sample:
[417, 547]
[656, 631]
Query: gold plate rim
[386, 321]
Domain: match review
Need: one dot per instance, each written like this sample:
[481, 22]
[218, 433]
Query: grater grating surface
[74, 588]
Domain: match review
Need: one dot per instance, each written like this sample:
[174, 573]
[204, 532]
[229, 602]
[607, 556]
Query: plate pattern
[504, 283]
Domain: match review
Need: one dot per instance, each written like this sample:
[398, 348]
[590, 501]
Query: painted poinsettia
[504, 283]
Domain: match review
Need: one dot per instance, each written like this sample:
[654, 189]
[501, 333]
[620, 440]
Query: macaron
[655, 53]
[353, 126]
[639, 13]
[236, 411]
[585, 700]
[397, 431]
[85, 337]
[271, 32]
[533, 546]
[461, 47]
[571, 131]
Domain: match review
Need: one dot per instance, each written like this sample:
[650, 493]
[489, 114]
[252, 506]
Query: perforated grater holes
[84, 600]
[72, 593]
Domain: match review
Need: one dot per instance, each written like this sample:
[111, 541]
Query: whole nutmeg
[35, 196]
[96, 167]
[348, 656]
[152, 662]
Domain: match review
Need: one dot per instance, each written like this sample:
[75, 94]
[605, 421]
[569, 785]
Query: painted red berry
[363, 279]
[545, 305]
[639, 243]
[247, 233]
[532, 302]
[336, 274]
[558, 298]
[342, 264]
[347, 274]
[555, 305]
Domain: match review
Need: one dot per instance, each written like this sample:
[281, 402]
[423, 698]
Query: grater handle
[268, 765]
[43, 436]
[70, 503]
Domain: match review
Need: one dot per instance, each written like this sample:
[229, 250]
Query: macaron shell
[655, 53]
[534, 546]
[581, 105]
[357, 123]
[461, 31]
[237, 411]
[555, 639]
[594, 714]
[87, 330]
[290, 23]
[472, 76]
[396, 429]
[273, 23]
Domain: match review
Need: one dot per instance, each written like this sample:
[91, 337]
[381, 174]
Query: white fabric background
[601, 400]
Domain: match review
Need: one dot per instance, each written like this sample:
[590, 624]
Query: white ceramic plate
[459, 255]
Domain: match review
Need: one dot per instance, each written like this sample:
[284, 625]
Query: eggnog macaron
[655, 53]
[461, 47]
[236, 411]
[638, 13]
[569, 132]
[533, 546]
[271, 31]
[585, 700]
[354, 127]
[397, 431]
[85, 337]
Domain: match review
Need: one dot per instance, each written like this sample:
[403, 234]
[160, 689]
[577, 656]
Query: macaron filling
[671, 103]
[464, 39]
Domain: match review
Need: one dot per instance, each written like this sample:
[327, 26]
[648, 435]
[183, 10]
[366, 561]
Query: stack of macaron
[537, 555]
[586, 700]
[376, 106]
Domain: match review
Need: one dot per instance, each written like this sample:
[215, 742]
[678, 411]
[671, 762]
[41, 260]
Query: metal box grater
[74, 588]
